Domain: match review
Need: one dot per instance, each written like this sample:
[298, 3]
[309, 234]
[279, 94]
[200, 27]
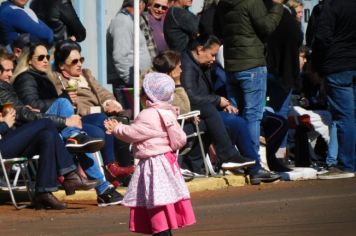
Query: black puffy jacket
[61, 17]
[24, 114]
[35, 89]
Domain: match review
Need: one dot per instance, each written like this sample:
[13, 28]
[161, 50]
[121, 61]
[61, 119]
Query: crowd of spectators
[242, 64]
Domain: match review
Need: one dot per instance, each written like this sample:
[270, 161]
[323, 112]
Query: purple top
[157, 32]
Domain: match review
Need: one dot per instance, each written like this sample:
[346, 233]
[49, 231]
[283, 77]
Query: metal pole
[136, 57]
[101, 37]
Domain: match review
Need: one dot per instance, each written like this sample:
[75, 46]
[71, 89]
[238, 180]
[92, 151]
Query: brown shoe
[48, 201]
[73, 181]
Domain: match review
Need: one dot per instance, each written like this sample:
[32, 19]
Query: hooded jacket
[244, 26]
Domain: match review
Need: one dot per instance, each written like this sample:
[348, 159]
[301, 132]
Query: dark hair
[166, 61]
[32, 48]
[63, 49]
[5, 55]
[204, 40]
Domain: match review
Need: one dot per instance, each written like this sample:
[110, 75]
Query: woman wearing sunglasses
[152, 26]
[93, 102]
[35, 88]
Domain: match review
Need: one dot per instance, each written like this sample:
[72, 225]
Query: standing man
[120, 52]
[244, 26]
[334, 54]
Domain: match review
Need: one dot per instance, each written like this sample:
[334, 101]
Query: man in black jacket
[334, 54]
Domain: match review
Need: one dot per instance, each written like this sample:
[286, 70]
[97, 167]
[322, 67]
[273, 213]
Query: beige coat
[90, 92]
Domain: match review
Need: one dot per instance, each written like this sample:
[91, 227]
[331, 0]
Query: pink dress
[157, 194]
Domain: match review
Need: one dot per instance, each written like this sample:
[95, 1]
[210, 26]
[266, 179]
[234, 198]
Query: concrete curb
[196, 185]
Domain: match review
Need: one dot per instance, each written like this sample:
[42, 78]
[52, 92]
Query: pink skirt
[154, 220]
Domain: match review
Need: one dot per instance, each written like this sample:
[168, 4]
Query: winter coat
[61, 17]
[24, 114]
[154, 131]
[334, 46]
[180, 26]
[35, 89]
[244, 26]
[89, 95]
[17, 20]
[197, 82]
[120, 50]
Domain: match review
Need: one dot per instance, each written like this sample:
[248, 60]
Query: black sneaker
[109, 198]
[238, 161]
[264, 176]
[84, 143]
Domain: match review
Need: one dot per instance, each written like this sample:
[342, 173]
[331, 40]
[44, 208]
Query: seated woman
[36, 90]
[92, 101]
[41, 137]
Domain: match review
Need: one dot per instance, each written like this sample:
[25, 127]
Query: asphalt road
[284, 208]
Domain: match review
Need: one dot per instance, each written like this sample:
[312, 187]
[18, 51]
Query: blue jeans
[240, 136]
[341, 97]
[93, 125]
[247, 89]
[331, 158]
[40, 137]
[63, 107]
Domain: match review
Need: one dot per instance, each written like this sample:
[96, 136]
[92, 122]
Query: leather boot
[73, 181]
[48, 201]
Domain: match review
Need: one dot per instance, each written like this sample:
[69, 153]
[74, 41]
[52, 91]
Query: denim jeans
[63, 107]
[331, 158]
[247, 89]
[92, 170]
[240, 137]
[40, 137]
[341, 97]
[93, 125]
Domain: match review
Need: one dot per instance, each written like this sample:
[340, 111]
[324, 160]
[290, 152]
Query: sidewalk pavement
[196, 185]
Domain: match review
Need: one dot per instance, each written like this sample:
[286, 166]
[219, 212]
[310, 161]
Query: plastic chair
[20, 166]
[207, 163]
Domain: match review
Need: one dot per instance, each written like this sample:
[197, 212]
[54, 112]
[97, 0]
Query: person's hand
[224, 102]
[112, 107]
[9, 118]
[32, 109]
[74, 121]
[73, 95]
[231, 109]
[73, 38]
[110, 125]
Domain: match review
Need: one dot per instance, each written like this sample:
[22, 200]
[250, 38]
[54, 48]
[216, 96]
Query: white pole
[136, 57]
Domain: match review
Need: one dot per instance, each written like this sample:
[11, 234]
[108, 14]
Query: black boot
[164, 233]
[48, 201]
[74, 181]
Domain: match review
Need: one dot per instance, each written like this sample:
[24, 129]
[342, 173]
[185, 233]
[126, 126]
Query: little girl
[157, 195]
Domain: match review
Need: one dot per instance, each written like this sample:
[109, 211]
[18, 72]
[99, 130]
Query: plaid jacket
[147, 32]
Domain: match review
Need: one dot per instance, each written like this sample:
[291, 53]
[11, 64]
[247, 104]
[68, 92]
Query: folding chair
[20, 166]
[207, 163]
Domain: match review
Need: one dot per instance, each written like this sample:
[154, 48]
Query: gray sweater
[120, 50]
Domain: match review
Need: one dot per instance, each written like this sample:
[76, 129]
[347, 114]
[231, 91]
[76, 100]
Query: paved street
[284, 208]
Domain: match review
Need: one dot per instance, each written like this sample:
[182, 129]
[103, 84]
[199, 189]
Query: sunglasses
[42, 57]
[76, 61]
[157, 6]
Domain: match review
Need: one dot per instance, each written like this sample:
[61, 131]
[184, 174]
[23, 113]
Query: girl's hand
[110, 125]
[9, 118]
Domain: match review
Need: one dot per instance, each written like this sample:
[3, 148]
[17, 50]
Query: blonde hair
[22, 65]
[294, 3]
